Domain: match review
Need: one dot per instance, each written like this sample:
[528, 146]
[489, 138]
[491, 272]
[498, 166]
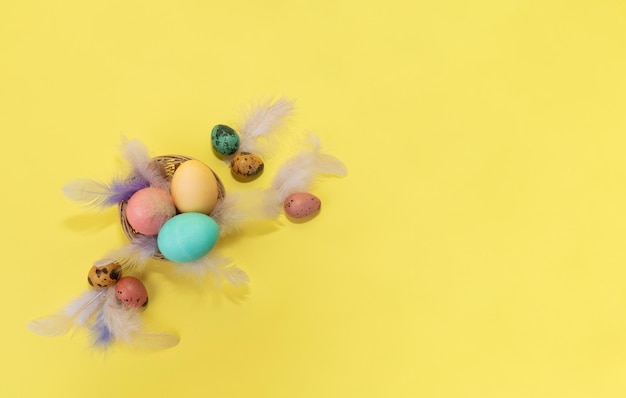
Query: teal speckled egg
[224, 139]
[187, 237]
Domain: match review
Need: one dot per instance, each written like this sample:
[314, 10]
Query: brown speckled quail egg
[105, 275]
[246, 166]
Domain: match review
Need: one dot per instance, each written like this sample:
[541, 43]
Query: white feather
[213, 264]
[135, 255]
[260, 125]
[271, 205]
[78, 312]
[87, 191]
[228, 214]
[126, 325]
[123, 322]
[240, 208]
[298, 173]
[102, 262]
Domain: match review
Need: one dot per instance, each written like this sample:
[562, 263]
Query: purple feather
[144, 173]
[102, 195]
[102, 333]
[121, 190]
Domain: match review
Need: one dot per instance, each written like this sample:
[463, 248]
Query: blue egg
[187, 237]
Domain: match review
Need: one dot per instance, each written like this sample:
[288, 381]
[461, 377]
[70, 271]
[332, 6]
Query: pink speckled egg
[131, 292]
[148, 209]
[301, 205]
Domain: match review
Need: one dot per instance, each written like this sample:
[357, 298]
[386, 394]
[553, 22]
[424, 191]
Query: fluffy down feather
[77, 312]
[98, 194]
[144, 173]
[298, 173]
[260, 125]
[136, 155]
[118, 323]
[135, 255]
[213, 264]
[238, 209]
[114, 321]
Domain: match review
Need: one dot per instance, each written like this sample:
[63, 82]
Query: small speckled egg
[148, 209]
[194, 187]
[246, 166]
[131, 292]
[187, 237]
[302, 205]
[224, 139]
[104, 275]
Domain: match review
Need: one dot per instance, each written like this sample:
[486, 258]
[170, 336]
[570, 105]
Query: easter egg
[131, 292]
[194, 187]
[246, 166]
[148, 209]
[301, 205]
[187, 237]
[224, 139]
[104, 275]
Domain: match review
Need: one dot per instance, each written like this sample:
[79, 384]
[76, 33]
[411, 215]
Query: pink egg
[148, 209]
[301, 205]
[131, 292]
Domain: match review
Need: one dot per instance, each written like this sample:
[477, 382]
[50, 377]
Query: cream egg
[194, 188]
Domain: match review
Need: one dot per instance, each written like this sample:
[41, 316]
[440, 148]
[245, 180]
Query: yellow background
[474, 250]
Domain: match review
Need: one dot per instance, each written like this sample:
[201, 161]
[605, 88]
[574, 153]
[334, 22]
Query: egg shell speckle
[131, 292]
[105, 275]
[301, 205]
[224, 139]
[188, 237]
[194, 187]
[148, 209]
[246, 166]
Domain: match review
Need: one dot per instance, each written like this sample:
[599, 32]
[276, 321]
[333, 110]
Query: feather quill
[260, 125]
[77, 312]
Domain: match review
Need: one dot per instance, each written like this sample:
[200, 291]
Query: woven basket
[168, 164]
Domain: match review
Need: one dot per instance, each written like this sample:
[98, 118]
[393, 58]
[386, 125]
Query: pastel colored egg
[187, 237]
[224, 139]
[301, 205]
[148, 209]
[104, 275]
[131, 292]
[194, 187]
[246, 166]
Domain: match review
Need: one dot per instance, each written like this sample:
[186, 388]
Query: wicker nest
[168, 164]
